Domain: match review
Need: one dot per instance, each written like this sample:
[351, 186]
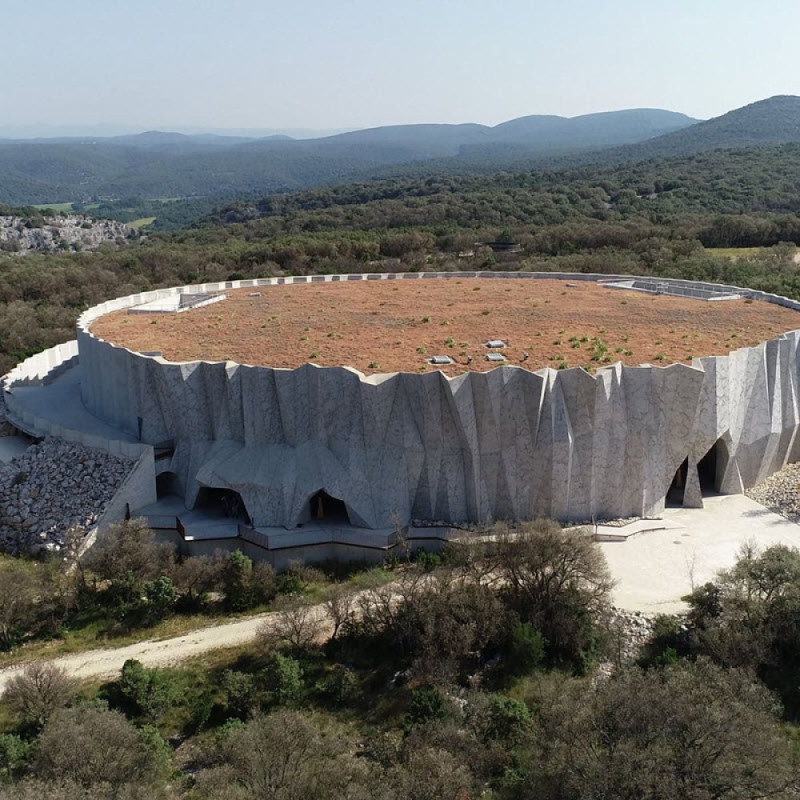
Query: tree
[40, 690]
[91, 745]
[161, 596]
[440, 622]
[429, 774]
[750, 617]
[236, 581]
[14, 754]
[288, 755]
[340, 606]
[17, 604]
[297, 624]
[690, 731]
[508, 720]
[195, 577]
[127, 556]
[427, 704]
[557, 581]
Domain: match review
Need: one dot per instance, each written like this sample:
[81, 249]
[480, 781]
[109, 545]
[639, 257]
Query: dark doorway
[711, 467]
[327, 508]
[227, 502]
[678, 485]
[167, 484]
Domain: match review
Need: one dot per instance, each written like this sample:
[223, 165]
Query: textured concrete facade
[505, 444]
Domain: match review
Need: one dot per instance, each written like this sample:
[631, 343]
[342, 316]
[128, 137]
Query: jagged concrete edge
[571, 445]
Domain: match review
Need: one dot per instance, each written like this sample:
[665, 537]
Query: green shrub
[240, 691]
[526, 649]
[14, 755]
[427, 704]
[145, 692]
[283, 679]
[341, 684]
[508, 719]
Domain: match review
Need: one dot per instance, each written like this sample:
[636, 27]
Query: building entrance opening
[711, 468]
[678, 485]
[328, 509]
[167, 484]
[225, 502]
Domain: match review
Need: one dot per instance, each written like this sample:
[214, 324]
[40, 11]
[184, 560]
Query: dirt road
[107, 663]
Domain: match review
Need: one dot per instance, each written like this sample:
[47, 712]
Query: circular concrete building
[376, 401]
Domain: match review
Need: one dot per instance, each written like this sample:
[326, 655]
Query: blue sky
[352, 63]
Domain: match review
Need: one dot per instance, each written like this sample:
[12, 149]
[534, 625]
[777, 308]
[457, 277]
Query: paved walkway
[655, 569]
[60, 402]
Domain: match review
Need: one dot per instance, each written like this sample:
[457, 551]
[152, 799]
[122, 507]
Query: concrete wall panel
[508, 443]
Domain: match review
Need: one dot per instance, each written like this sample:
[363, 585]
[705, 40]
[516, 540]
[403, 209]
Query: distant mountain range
[159, 164]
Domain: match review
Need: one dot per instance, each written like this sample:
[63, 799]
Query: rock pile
[630, 630]
[52, 487]
[780, 492]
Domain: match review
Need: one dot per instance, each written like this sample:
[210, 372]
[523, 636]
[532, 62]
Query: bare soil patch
[388, 326]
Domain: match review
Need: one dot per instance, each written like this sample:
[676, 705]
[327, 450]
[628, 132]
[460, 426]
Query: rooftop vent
[495, 357]
[441, 360]
[495, 343]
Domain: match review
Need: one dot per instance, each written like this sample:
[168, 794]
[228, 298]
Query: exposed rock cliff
[23, 235]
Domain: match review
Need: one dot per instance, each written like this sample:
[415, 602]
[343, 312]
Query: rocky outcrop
[52, 487]
[21, 235]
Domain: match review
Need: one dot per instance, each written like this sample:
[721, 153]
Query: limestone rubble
[54, 486]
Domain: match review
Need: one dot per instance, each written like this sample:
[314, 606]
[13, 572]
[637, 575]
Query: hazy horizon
[46, 130]
[323, 66]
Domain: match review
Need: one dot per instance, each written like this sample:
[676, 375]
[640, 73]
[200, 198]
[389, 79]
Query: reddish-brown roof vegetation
[388, 326]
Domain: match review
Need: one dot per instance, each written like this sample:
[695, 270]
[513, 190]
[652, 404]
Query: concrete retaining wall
[508, 443]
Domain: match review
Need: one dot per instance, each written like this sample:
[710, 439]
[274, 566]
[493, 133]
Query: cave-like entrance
[225, 502]
[167, 484]
[325, 508]
[710, 473]
[711, 468]
[678, 486]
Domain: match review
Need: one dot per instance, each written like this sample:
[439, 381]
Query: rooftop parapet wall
[508, 443]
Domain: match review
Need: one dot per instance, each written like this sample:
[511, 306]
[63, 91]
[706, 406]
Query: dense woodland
[656, 217]
[496, 670]
[158, 165]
